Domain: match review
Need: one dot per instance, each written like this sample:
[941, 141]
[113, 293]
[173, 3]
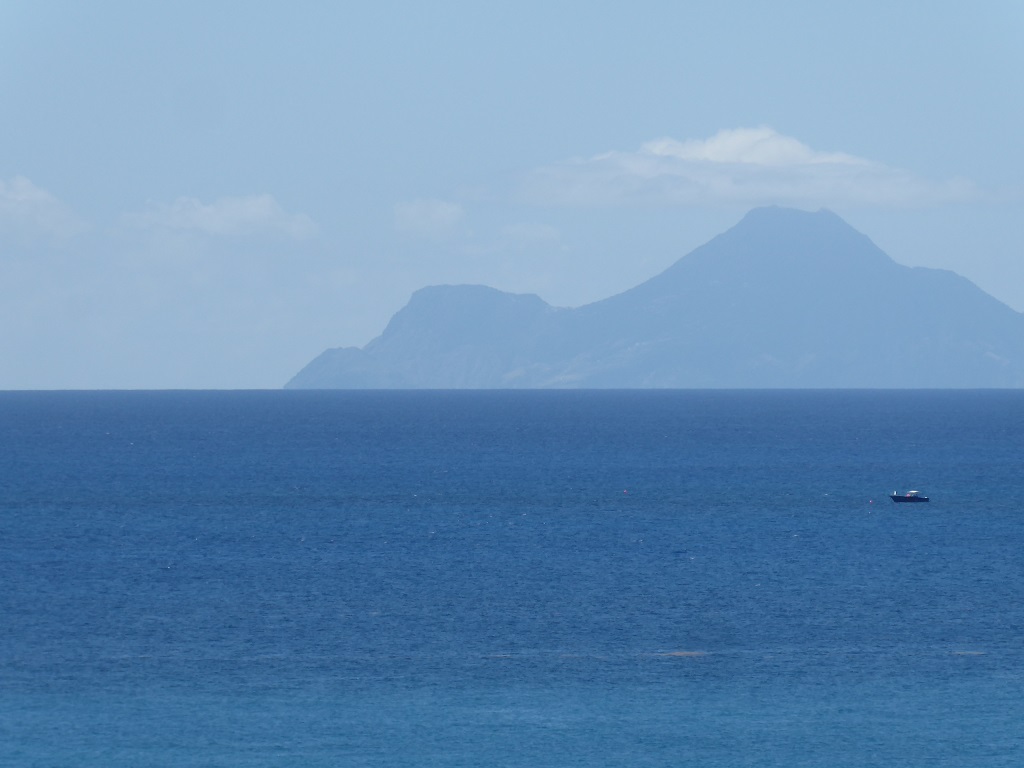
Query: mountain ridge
[785, 298]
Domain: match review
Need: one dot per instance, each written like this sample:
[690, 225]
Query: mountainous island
[785, 298]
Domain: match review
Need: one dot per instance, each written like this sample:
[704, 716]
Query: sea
[511, 578]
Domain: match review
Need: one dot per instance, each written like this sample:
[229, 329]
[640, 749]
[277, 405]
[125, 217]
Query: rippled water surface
[511, 579]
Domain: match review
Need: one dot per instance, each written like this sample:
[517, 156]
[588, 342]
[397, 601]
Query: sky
[208, 195]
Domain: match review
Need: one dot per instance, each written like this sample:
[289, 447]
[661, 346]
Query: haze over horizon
[207, 196]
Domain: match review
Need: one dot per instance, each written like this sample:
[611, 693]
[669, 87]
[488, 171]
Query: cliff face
[783, 299]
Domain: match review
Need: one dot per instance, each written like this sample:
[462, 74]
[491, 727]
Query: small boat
[908, 496]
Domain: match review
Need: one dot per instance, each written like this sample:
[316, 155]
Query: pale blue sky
[210, 194]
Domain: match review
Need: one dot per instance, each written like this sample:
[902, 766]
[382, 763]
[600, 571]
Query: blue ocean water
[511, 579]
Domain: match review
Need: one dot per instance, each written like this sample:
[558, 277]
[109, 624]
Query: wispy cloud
[228, 216]
[750, 166]
[30, 211]
[428, 218]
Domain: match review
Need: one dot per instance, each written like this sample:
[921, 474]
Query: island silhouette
[784, 299]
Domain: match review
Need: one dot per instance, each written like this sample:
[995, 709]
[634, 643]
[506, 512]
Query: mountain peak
[770, 248]
[788, 235]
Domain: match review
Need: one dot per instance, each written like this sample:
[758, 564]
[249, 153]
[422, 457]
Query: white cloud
[229, 216]
[749, 146]
[428, 218]
[750, 166]
[30, 211]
